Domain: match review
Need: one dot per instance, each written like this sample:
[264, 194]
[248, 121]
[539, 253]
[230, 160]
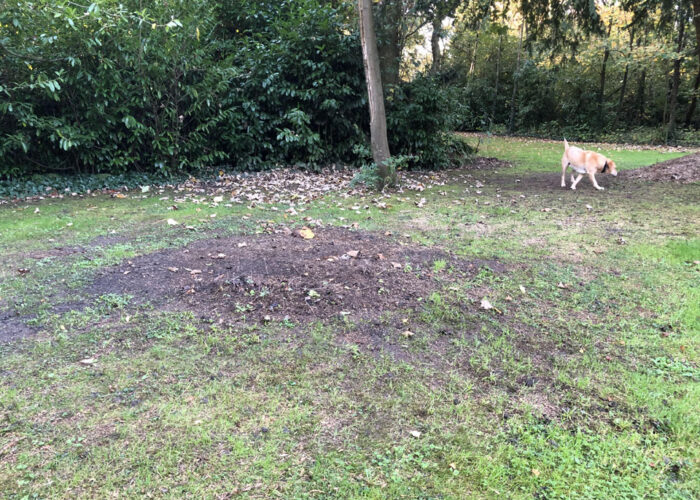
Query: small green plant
[112, 301]
[439, 265]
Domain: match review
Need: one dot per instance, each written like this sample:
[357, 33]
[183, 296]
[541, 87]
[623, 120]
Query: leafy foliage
[115, 87]
[420, 122]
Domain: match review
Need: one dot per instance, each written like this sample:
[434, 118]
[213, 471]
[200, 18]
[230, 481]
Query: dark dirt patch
[683, 170]
[280, 275]
[107, 241]
[55, 252]
[486, 163]
[13, 328]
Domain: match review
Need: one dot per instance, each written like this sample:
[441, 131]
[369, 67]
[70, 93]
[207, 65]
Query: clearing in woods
[479, 332]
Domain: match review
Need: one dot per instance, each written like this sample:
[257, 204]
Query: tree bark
[641, 91]
[696, 20]
[472, 63]
[624, 78]
[606, 56]
[511, 122]
[671, 129]
[375, 94]
[498, 75]
[435, 44]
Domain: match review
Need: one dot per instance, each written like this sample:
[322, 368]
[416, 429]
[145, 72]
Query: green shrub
[420, 122]
[176, 86]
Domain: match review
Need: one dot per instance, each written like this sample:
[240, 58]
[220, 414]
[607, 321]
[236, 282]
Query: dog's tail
[566, 145]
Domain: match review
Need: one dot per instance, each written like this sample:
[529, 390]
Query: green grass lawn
[582, 381]
[534, 155]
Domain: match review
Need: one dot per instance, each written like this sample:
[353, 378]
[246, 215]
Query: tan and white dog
[584, 162]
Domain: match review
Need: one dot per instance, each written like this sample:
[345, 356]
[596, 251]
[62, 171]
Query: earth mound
[275, 276]
[683, 170]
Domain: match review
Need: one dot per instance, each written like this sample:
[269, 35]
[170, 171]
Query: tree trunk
[696, 20]
[472, 63]
[498, 75]
[641, 90]
[606, 56]
[511, 122]
[693, 102]
[375, 94]
[624, 78]
[671, 129]
[435, 44]
[388, 15]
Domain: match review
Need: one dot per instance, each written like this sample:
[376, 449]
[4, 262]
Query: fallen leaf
[396, 265]
[219, 256]
[313, 294]
[589, 207]
[535, 473]
[353, 253]
[522, 288]
[485, 304]
[306, 233]
[562, 285]
[421, 203]
[415, 434]
[173, 269]
[172, 222]
[241, 245]
[23, 270]
[408, 334]
[88, 361]
[195, 271]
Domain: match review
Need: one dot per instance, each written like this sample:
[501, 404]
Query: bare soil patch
[12, 327]
[683, 170]
[281, 275]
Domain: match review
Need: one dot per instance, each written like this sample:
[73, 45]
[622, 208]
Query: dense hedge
[183, 84]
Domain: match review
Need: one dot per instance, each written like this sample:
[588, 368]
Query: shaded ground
[580, 380]
[277, 276]
[683, 170]
[12, 327]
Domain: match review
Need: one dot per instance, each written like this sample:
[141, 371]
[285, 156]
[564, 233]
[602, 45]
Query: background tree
[375, 95]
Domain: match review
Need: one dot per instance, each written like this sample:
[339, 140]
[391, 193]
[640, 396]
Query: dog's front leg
[591, 175]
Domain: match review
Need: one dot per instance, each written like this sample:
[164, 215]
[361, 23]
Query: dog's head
[612, 167]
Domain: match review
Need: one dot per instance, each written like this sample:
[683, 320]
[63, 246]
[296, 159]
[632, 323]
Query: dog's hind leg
[564, 164]
[575, 182]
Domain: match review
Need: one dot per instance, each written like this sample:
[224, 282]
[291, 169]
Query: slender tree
[511, 123]
[435, 44]
[675, 81]
[606, 56]
[375, 94]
